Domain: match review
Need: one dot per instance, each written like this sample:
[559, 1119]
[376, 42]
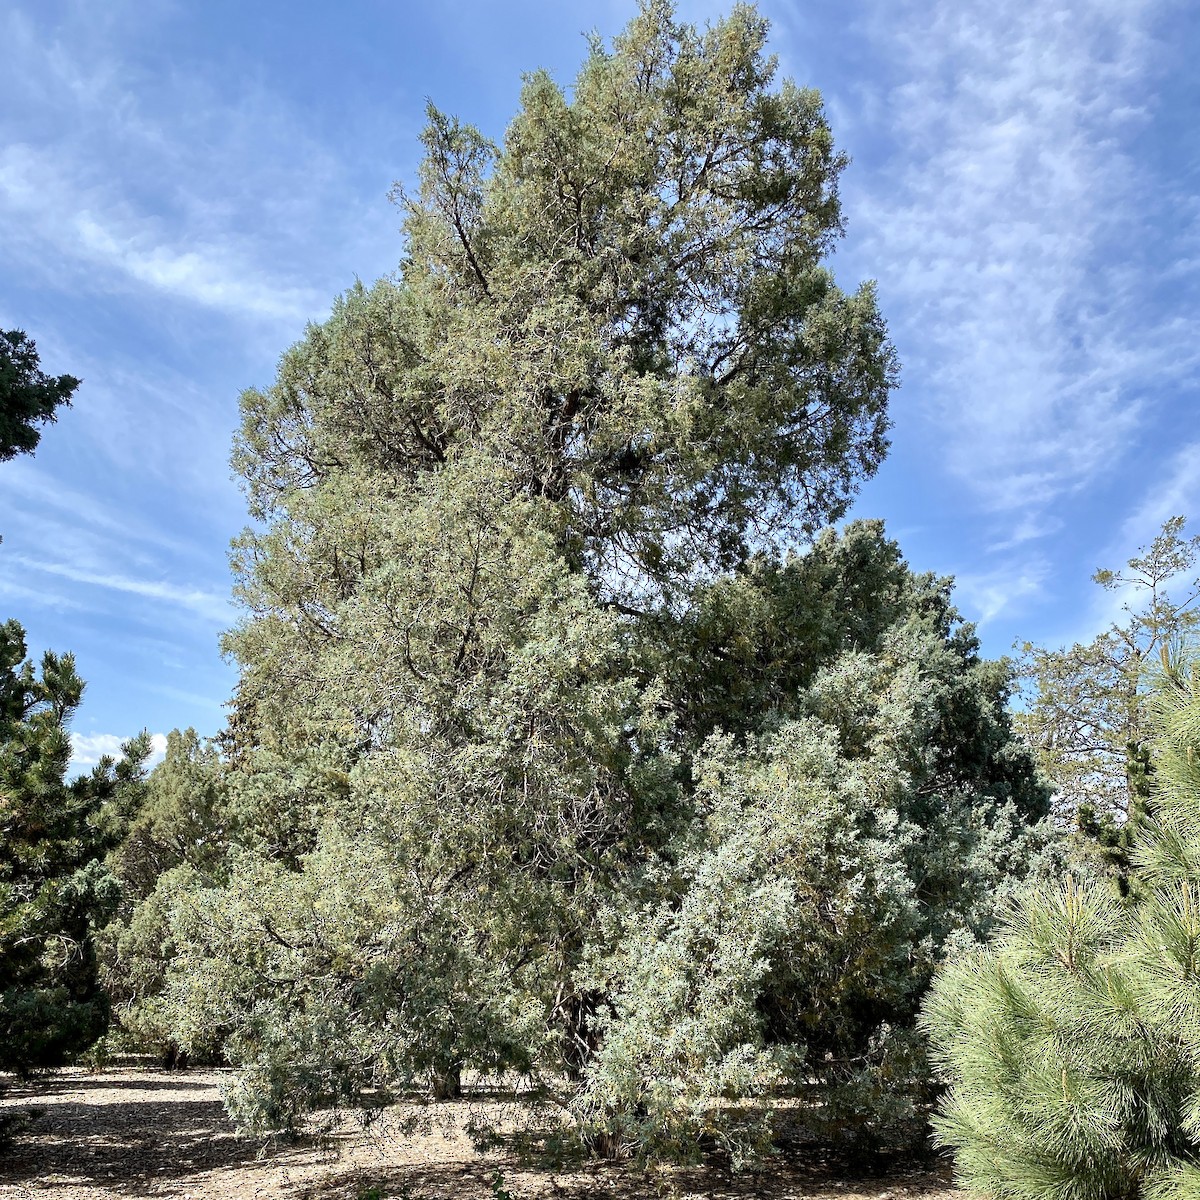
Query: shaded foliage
[54, 888]
[28, 396]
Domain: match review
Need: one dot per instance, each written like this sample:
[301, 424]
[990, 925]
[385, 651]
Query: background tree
[1086, 719]
[178, 838]
[28, 396]
[54, 890]
[1072, 1046]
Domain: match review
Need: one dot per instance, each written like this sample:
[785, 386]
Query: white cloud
[1004, 235]
[984, 596]
[34, 489]
[1176, 492]
[1029, 528]
[87, 749]
[173, 185]
[12, 590]
[212, 274]
[110, 247]
[211, 605]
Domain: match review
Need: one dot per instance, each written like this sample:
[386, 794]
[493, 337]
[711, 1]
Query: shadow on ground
[133, 1134]
[140, 1149]
[481, 1180]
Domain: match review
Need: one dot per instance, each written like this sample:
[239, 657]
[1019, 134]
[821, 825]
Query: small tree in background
[1087, 716]
[179, 838]
[54, 889]
[1072, 1046]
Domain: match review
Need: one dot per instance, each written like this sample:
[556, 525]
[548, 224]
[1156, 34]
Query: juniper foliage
[547, 756]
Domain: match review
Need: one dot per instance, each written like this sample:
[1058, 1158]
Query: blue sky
[184, 185]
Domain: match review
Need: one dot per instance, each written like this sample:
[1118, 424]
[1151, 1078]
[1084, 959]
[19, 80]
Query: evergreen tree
[878, 809]
[1072, 1045]
[524, 656]
[28, 396]
[54, 890]
[179, 837]
[1087, 713]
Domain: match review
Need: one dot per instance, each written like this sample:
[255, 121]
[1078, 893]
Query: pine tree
[28, 396]
[1072, 1045]
[54, 889]
[1087, 712]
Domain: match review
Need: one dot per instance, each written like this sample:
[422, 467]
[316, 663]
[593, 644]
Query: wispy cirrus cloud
[25, 484]
[983, 596]
[209, 605]
[1175, 492]
[77, 230]
[1004, 231]
[166, 186]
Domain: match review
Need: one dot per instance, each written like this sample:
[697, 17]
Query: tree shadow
[154, 1138]
[477, 1180]
[137, 1148]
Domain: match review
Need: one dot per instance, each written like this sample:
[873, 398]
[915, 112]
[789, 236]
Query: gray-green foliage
[176, 838]
[772, 930]
[541, 740]
[1072, 1045]
[881, 810]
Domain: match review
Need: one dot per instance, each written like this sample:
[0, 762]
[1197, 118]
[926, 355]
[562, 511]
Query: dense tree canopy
[568, 740]
[54, 890]
[621, 317]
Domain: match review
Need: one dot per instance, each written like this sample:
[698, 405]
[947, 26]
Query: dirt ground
[141, 1133]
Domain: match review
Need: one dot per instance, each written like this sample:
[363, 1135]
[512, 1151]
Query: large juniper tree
[527, 676]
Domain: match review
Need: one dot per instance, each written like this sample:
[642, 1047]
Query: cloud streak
[77, 230]
[206, 604]
[991, 229]
[1005, 590]
[182, 187]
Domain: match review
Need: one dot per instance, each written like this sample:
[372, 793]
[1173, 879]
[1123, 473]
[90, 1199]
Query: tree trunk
[447, 1081]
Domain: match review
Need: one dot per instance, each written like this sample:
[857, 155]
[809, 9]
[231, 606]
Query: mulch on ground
[134, 1132]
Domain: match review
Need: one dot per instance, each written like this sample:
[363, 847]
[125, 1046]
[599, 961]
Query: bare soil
[144, 1133]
